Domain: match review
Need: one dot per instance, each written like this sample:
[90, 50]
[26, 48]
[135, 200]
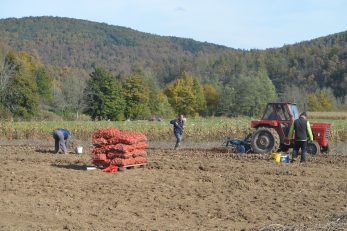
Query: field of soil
[187, 189]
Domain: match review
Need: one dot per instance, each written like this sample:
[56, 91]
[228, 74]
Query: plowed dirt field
[187, 189]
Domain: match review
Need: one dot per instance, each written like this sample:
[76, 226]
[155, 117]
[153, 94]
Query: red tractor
[272, 130]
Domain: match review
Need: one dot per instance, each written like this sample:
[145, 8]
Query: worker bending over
[61, 137]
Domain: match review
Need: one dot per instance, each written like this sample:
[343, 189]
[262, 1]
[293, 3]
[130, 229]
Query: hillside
[83, 44]
[72, 48]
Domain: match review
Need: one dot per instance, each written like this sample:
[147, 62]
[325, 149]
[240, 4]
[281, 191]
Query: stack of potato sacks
[118, 148]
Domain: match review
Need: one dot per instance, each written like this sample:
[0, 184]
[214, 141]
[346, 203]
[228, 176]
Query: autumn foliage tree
[320, 101]
[186, 95]
[211, 97]
[136, 95]
[21, 95]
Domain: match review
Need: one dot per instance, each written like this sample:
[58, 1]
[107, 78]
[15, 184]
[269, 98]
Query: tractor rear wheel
[313, 148]
[265, 140]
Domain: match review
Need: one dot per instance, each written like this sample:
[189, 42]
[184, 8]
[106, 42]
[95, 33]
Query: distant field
[338, 121]
[195, 129]
[200, 129]
[328, 115]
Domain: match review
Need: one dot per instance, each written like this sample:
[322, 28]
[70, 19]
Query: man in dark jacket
[178, 126]
[61, 137]
[303, 132]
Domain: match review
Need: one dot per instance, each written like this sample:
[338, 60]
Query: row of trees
[28, 90]
[134, 98]
[109, 97]
[82, 46]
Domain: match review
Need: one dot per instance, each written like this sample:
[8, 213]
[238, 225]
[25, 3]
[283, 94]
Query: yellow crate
[277, 156]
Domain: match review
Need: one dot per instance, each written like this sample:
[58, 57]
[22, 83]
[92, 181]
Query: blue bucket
[285, 159]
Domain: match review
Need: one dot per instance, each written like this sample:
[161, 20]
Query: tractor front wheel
[265, 140]
[313, 148]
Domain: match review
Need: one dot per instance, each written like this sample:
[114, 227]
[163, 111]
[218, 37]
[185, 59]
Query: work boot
[293, 160]
[177, 145]
[294, 157]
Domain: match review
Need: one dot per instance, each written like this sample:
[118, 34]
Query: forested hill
[81, 45]
[84, 44]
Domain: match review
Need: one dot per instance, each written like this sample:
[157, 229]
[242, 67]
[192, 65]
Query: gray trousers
[178, 139]
[60, 142]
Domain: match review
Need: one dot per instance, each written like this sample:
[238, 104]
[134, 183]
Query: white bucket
[79, 150]
[91, 168]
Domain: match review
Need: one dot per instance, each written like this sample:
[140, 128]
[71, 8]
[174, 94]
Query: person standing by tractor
[178, 126]
[61, 137]
[302, 129]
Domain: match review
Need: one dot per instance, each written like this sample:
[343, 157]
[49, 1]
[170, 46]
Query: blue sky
[245, 24]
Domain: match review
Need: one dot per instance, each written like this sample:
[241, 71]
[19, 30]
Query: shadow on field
[45, 151]
[70, 166]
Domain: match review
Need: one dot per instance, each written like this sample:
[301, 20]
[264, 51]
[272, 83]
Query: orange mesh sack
[99, 142]
[114, 147]
[123, 162]
[124, 148]
[106, 133]
[100, 160]
[113, 155]
[100, 157]
[127, 155]
[111, 168]
[101, 150]
[128, 137]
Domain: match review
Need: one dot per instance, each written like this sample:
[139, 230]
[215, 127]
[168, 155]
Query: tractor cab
[281, 112]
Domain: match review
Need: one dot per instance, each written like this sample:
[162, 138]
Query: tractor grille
[327, 133]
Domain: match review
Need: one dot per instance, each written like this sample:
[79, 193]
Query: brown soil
[188, 189]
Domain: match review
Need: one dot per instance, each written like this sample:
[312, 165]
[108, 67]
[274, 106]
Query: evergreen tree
[104, 96]
[164, 107]
[44, 84]
[154, 102]
[227, 102]
[200, 103]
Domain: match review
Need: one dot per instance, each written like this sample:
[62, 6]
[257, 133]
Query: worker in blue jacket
[178, 126]
[61, 137]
